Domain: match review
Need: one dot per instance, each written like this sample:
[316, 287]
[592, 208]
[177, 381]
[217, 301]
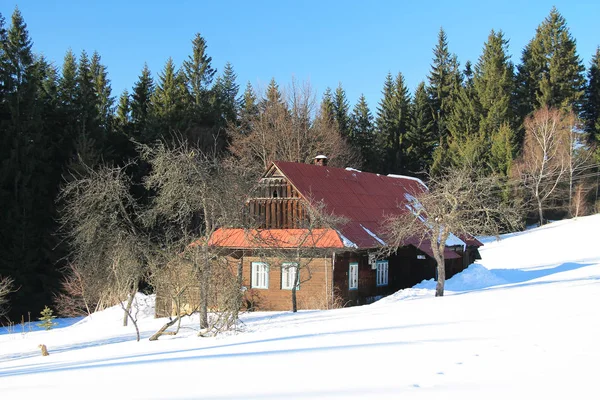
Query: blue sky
[325, 42]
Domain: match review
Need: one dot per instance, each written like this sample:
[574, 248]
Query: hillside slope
[524, 321]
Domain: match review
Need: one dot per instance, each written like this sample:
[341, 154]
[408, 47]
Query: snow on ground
[522, 322]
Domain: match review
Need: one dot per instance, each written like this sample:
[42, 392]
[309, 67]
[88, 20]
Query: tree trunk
[570, 190]
[204, 278]
[203, 302]
[438, 255]
[541, 212]
[294, 299]
[129, 303]
[240, 270]
[441, 278]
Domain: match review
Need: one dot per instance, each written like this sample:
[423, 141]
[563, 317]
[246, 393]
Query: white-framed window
[288, 275]
[382, 273]
[353, 276]
[260, 275]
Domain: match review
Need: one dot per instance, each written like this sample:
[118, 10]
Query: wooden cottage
[336, 266]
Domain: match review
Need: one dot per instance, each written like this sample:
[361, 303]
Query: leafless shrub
[579, 205]
[6, 288]
[73, 300]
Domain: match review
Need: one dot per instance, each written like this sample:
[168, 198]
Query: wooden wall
[314, 293]
[404, 270]
[276, 204]
[326, 287]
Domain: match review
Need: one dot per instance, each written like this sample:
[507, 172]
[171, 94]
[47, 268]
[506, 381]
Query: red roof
[275, 238]
[365, 199]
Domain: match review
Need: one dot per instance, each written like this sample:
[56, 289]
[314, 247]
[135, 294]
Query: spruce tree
[444, 79]
[141, 103]
[384, 123]
[248, 109]
[494, 84]
[123, 116]
[248, 103]
[67, 104]
[169, 101]
[104, 101]
[225, 96]
[199, 73]
[91, 138]
[273, 95]
[67, 83]
[363, 132]
[468, 74]
[551, 72]
[341, 113]
[421, 133]
[466, 145]
[502, 150]
[392, 124]
[591, 109]
[327, 105]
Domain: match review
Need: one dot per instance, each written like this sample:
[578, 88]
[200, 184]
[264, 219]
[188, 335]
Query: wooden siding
[404, 270]
[314, 292]
[276, 204]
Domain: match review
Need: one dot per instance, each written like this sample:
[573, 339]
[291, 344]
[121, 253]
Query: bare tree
[459, 203]
[6, 288]
[546, 155]
[291, 130]
[195, 193]
[107, 246]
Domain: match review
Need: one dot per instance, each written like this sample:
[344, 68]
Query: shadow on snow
[131, 359]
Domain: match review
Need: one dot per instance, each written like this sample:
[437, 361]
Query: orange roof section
[236, 238]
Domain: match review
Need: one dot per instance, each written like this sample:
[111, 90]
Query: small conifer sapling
[47, 319]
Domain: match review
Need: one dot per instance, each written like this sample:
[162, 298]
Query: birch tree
[547, 150]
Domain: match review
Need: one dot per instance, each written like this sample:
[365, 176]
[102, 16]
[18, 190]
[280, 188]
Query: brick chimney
[321, 160]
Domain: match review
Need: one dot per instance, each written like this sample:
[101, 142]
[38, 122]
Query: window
[382, 273]
[260, 275]
[353, 276]
[288, 275]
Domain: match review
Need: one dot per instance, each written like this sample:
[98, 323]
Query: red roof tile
[275, 238]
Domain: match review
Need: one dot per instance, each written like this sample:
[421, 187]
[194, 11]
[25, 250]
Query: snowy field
[522, 323]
